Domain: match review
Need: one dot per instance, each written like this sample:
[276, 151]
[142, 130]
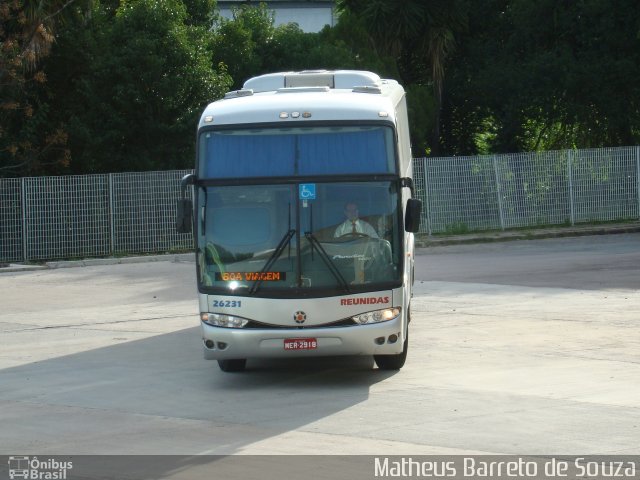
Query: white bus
[303, 216]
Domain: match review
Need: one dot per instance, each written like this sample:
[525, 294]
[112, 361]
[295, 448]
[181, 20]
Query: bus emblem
[300, 317]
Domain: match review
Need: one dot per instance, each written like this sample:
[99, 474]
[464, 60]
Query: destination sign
[251, 276]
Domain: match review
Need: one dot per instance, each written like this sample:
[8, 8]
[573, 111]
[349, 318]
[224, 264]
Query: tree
[131, 86]
[239, 41]
[250, 44]
[419, 33]
[28, 142]
[545, 75]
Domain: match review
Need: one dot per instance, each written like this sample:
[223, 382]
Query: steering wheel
[354, 234]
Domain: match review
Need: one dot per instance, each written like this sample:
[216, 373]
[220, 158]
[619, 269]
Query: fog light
[393, 338]
[208, 344]
[379, 340]
[222, 345]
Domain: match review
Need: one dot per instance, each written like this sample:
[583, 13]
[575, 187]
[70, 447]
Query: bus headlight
[376, 316]
[219, 320]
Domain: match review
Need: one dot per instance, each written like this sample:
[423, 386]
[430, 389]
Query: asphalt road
[527, 348]
[593, 263]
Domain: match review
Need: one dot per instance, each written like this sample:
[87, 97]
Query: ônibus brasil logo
[31, 468]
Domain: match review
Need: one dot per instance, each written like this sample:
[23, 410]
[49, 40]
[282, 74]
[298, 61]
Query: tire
[234, 365]
[393, 362]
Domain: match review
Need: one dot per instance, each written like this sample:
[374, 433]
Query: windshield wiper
[271, 260]
[313, 241]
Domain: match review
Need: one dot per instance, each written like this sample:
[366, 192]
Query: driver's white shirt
[361, 227]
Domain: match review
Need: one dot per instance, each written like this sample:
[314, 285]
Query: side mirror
[184, 213]
[413, 215]
[184, 216]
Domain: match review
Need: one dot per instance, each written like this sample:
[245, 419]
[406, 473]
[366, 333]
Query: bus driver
[353, 224]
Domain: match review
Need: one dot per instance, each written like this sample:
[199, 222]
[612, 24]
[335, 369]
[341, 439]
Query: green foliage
[456, 228]
[143, 78]
[422, 37]
[348, 45]
[29, 142]
[249, 44]
[421, 106]
[239, 42]
[200, 12]
[546, 75]
[121, 88]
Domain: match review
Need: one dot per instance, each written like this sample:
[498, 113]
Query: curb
[425, 241]
[17, 267]
[92, 262]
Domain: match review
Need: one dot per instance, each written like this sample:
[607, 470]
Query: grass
[516, 233]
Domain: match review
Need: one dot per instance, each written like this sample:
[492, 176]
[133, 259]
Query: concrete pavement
[106, 359]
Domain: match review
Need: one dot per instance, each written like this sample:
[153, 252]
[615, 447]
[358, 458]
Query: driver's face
[351, 211]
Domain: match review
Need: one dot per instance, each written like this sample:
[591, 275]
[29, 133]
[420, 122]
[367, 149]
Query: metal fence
[48, 218]
[492, 192]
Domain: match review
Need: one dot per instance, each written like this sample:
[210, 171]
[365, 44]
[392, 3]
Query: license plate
[300, 343]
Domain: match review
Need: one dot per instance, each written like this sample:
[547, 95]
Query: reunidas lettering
[364, 301]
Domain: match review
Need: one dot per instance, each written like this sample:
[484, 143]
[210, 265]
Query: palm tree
[27, 32]
[424, 28]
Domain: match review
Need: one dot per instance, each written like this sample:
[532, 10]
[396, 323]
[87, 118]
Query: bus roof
[289, 97]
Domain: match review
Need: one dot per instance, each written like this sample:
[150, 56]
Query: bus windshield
[300, 151]
[287, 239]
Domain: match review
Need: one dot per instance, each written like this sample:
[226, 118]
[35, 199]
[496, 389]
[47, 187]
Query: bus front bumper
[385, 338]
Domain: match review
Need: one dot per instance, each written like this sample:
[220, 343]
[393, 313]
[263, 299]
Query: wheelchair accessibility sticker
[307, 191]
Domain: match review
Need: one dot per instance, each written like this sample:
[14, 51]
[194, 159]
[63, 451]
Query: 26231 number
[227, 303]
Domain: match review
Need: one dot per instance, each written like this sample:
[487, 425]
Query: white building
[310, 15]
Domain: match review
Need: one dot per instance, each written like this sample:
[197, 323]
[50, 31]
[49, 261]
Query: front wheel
[393, 362]
[234, 365]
